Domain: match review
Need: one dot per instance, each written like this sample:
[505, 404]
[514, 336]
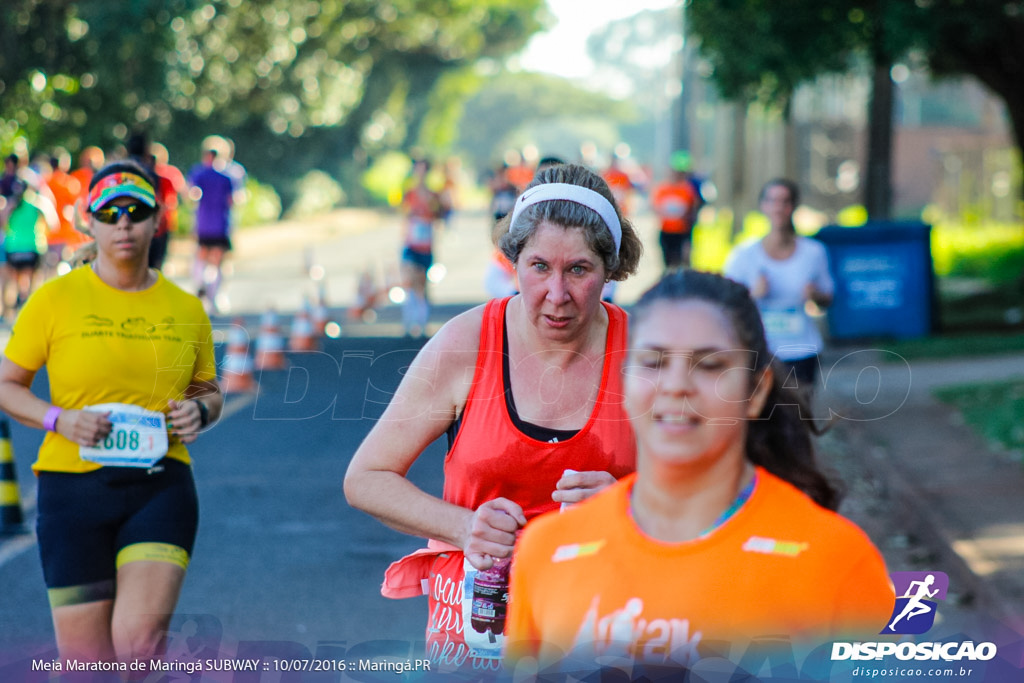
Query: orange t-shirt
[492, 458]
[591, 583]
[66, 190]
[621, 187]
[520, 176]
[674, 203]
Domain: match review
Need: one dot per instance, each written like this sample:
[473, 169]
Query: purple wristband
[50, 421]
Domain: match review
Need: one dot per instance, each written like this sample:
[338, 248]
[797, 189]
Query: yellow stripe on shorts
[77, 595]
[153, 552]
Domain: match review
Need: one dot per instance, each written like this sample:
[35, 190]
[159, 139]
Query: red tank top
[491, 458]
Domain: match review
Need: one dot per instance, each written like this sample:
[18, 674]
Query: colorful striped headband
[577, 194]
[122, 184]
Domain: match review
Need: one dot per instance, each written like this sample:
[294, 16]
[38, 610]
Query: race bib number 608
[138, 437]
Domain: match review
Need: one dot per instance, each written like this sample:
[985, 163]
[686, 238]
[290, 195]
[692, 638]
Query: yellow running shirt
[104, 345]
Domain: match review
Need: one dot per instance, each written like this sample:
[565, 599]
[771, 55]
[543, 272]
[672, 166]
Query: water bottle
[490, 599]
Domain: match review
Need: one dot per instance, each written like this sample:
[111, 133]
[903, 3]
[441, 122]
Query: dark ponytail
[780, 439]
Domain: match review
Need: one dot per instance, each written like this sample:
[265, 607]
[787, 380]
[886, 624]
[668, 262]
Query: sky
[563, 49]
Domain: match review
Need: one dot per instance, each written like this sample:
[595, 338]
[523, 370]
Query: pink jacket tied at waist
[409, 577]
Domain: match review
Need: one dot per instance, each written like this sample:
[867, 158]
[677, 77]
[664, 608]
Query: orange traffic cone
[301, 337]
[237, 377]
[269, 344]
[11, 521]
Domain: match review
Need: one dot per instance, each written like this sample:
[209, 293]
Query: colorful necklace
[742, 497]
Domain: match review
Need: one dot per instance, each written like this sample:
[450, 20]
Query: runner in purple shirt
[211, 190]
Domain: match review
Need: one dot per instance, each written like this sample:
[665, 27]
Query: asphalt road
[280, 556]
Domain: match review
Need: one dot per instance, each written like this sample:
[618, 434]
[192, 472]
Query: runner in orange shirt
[520, 174]
[66, 190]
[620, 184]
[726, 534]
[676, 203]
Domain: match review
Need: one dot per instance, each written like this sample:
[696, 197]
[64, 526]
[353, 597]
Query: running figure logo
[916, 593]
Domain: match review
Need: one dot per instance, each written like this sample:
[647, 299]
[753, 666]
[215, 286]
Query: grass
[991, 250]
[952, 345]
[995, 411]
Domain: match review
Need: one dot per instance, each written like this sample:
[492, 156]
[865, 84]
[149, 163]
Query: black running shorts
[89, 524]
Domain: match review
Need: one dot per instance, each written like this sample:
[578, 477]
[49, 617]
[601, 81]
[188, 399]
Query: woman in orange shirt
[726, 533]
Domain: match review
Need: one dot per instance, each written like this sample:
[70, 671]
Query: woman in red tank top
[541, 423]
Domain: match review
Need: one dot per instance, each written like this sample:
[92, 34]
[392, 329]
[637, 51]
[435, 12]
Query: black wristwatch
[204, 413]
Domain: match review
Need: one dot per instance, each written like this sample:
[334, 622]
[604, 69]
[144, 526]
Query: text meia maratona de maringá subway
[189, 667]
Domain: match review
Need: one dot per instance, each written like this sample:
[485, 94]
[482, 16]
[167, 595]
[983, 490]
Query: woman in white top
[783, 272]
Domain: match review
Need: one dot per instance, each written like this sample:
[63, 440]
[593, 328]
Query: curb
[942, 523]
[929, 526]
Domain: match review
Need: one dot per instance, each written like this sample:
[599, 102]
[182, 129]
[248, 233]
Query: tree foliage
[633, 55]
[638, 58]
[759, 49]
[983, 38]
[72, 72]
[297, 84]
[509, 104]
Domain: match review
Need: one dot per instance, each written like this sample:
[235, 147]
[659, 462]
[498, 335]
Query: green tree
[507, 110]
[71, 74]
[982, 38]
[297, 85]
[350, 79]
[761, 51]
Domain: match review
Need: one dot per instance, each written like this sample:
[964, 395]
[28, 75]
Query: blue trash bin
[885, 284]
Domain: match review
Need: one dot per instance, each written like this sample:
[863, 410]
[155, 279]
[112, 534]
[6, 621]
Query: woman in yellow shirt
[130, 363]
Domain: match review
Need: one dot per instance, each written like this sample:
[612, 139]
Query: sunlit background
[328, 103]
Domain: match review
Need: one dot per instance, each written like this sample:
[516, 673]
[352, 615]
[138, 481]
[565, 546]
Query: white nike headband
[570, 193]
